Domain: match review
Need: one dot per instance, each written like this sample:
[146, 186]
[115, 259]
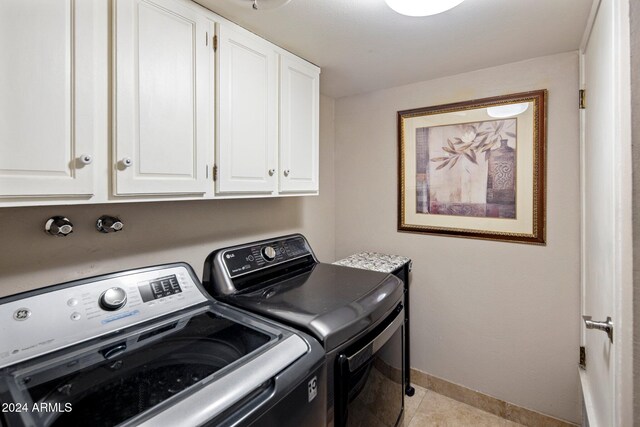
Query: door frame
[622, 397]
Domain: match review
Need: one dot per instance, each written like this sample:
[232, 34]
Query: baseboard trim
[487, 403]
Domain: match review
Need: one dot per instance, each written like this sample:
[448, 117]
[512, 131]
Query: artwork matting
[475, 169]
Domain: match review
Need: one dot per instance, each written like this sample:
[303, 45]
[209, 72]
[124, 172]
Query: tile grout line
[417, 406]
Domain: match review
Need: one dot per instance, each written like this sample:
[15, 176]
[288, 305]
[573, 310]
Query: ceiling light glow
[508, 110]
[422, 7]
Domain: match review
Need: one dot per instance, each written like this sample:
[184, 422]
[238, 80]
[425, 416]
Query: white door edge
[622, 398]
[588, 400]
[623, 336]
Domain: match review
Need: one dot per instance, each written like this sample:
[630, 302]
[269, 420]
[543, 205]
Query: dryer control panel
[228, 271]
[249, 259]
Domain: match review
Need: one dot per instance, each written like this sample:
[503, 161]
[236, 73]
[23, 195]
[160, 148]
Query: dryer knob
[268, 253]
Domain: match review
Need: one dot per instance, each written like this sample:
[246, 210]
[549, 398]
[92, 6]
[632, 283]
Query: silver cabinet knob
[271, 172]
[606, 326]
[58, 226]
[287, 172]
[86, 159]
[127, 162]
[109, 224]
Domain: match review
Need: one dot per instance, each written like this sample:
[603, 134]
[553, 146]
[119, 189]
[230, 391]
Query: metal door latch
[606, 326]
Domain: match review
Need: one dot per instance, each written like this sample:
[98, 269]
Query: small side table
[400, 267]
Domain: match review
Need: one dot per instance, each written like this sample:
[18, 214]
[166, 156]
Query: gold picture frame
[475, 169]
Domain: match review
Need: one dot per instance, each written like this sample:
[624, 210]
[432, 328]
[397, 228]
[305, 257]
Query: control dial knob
[268, 253]
[113, 299]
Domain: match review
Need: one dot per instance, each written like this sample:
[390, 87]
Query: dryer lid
[331, 302]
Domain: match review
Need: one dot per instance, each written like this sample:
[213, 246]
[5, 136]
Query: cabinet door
[161, 98]
[46, 98]
[248, 103]
[299, 121]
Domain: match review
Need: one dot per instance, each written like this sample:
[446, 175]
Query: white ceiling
[362, 45]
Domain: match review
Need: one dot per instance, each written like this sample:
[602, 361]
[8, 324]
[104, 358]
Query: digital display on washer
[160, 288]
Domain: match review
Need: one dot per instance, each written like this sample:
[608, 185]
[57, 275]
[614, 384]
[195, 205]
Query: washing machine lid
[185, 370]
[331, 302]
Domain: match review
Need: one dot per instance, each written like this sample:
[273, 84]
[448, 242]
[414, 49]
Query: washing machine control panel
[77, 311]
[249, 259]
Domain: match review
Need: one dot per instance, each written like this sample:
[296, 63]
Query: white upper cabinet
[299, 122]
[135, 100]
[46, 98]
[162, 88]
[248, 113]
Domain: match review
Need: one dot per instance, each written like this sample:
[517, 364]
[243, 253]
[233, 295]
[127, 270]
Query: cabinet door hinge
[581, 99]
[583, 358]
[206, 38]
[215, 172]
[207, 172]
[215, 43]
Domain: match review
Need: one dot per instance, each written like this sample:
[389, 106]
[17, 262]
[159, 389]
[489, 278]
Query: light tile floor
[429, 409]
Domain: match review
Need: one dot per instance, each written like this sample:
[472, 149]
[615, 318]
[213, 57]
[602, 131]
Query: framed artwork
[475, 169]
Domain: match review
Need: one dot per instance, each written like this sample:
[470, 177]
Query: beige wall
[501, 318]
[161, 232]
